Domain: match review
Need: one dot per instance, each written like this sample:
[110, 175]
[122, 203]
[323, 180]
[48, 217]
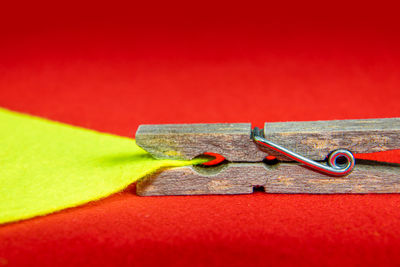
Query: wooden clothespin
[314, 157]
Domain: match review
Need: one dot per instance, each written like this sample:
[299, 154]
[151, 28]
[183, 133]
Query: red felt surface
[113, 66]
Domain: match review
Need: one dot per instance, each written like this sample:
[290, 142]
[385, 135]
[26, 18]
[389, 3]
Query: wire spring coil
[340, 162]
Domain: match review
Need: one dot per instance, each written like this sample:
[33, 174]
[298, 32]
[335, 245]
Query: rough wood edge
[315, 139]
[242, 178]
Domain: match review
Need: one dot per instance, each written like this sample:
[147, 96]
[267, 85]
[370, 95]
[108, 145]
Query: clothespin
[315, 157]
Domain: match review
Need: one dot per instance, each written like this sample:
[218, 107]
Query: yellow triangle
[47, 166]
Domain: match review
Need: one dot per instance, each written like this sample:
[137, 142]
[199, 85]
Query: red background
[112, 66]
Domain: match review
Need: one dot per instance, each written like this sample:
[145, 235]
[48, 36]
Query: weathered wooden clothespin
[313, 157]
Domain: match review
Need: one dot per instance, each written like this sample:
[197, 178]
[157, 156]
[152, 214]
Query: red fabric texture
[113, 66]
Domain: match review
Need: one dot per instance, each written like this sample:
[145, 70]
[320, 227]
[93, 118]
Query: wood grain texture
[241, 178]
[315, 139]
[186, 141]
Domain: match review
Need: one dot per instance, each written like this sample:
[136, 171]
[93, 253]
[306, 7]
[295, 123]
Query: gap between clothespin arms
[245, 169]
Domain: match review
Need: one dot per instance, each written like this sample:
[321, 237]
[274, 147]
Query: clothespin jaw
[300, 148]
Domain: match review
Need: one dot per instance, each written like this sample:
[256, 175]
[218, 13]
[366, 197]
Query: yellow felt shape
[47, 166]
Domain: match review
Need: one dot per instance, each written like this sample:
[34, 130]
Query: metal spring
[333, 168]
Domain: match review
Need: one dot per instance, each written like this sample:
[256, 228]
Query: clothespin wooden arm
[313, 139]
